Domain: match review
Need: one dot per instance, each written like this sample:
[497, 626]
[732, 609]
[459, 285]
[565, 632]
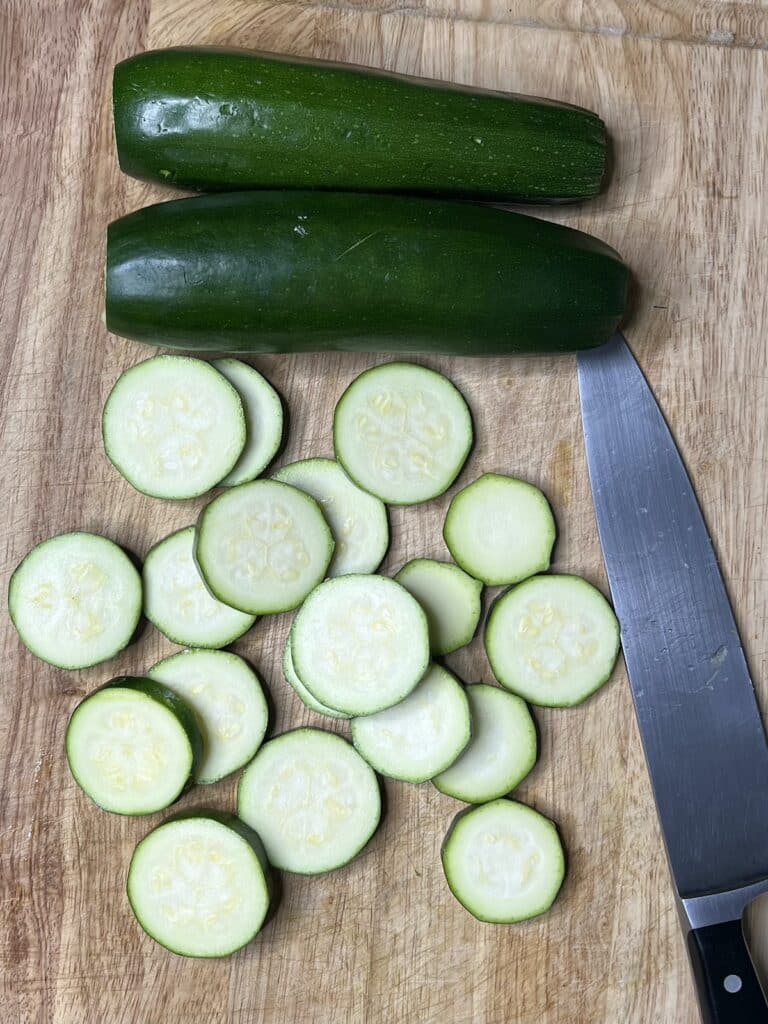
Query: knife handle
[726, 983]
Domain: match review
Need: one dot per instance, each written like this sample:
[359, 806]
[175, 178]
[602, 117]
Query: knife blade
[694, 699]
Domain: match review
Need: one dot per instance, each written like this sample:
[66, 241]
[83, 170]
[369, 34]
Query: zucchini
[503, 862]
[358, 520]
[263, 410]
[75, 600]
[309, 271]
[312, 799]
[200, 884]
[450, 599]
[262, 546]
[360, 644]
[173, 426]
[289, 673]
[502, 751]
[553, 640]
[500, 530]
[226, 697]
[178, 603]
[214, 119]
[422, 735]
[402, 432]
[133, 746]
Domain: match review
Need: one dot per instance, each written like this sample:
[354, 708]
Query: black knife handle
[726, 983]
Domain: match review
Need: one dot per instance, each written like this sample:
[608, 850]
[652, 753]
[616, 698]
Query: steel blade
[699, 720]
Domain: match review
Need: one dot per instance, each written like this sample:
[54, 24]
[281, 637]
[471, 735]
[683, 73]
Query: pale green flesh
[553, 640]
[177, 601]
[402, 432]
[263, 419]
[358, 520]
[301, 691]
[360, 644]
[261, 547]
[173, 426]
[504, 862]
[127, 751]
[501, 752]
[198, 887]
[422, 735]
[450, 599]
[227, 699]
[75, 600]
[312, 799]
[500, 530]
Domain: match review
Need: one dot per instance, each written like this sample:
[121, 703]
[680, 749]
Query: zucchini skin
[315, 271]
[211, 119]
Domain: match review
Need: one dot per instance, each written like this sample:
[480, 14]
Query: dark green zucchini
[211, 119]
[306, 271]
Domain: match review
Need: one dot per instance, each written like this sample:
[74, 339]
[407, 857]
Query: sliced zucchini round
[360, 644]
[500, 530]
[502, 751]
[402, 432]
[200, 885]
[450, 599]
[553, 640]
[422, 735]
[357, 519]
[228, 701]
[75, 600]
[173, 426]
[504, 862]
[178, 603]
[263, 420]
[301, 691]
[261, 547]
[133, 746]
[312, 799]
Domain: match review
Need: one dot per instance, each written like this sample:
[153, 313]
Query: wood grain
[714, 22]
[383, 941]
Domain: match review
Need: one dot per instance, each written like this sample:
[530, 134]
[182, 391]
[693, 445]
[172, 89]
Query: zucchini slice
[358, 520]
[75, 600]
[312, 799]
[422, 735]
[402, 432]
[504, 862]
[173, 427]
[450, 599]
[301, 691]
[263, 420]
[228, 701]
[500, 530]
[133, 746]
[200, 885]
[502, 751]
[553, 640]
[360, 644]
[178, 603]
[262, 546]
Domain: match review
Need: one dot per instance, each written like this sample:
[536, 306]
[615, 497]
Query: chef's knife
[699, 720]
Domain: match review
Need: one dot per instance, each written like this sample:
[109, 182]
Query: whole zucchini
[212, 120]
[306, 271]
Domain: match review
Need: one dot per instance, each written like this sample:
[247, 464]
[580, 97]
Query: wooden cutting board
[684, 90]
